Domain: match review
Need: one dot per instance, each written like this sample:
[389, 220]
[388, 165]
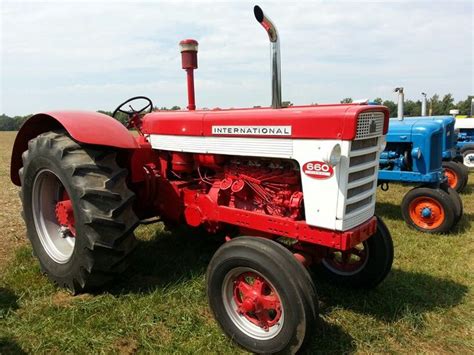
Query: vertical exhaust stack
[401, 101]
[423, 104]
[272, 32]
[189, 62]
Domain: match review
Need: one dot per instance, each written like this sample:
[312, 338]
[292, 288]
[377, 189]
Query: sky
[93, 55]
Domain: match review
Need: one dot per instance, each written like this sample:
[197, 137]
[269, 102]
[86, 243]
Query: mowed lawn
[425, 305]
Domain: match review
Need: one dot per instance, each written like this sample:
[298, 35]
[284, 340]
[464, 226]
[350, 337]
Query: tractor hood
[444, 120]
[402, 131]
[313, 122]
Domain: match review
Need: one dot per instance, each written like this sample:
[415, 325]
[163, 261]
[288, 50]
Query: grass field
[425, 305]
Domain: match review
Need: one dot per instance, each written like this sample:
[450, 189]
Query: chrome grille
[370, 124]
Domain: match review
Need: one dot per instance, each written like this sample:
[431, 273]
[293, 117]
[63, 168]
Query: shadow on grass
[9, 346]
[388, 210]
[169, 259]
[403, 295]
[330, 339]
[8, 302]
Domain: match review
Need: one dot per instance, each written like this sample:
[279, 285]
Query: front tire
[364, 266]
[78, 211]
[458, 204]
[429, 210]
[261, 296]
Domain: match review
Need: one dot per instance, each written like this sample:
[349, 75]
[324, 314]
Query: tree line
[435, 106]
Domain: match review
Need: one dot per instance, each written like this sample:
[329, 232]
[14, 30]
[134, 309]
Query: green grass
[425, 305]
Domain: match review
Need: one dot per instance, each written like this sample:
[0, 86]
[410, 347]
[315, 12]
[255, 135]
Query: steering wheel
[132, 112]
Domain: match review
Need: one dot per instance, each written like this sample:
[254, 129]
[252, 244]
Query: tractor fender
[84, 127]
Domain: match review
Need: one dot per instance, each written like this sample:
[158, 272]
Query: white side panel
[320, 195]
[464, 123]
[250, 147]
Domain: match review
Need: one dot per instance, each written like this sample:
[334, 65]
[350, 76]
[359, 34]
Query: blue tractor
[465, 140]
[413, 155]
[456, 173]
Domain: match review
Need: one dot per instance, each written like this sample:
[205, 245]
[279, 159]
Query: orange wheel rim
[452, 178]
[426, 212]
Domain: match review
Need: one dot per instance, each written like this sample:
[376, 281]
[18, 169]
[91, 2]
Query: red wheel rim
[256, 300]
[252, 303]
[426, 212]
[347, 262]
[452, 177]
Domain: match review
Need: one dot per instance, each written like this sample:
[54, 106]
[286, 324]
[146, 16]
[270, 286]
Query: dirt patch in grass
[126, 346]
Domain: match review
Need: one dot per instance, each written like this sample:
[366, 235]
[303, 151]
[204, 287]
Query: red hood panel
[316, 122]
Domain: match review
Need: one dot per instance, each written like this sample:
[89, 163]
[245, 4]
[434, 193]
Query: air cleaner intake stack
[401, 101]
[272, 32]
[189, 62]
[423, 104]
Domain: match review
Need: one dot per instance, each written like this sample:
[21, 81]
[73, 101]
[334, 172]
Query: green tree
[347, 100]
[464, 106]
[392, 107]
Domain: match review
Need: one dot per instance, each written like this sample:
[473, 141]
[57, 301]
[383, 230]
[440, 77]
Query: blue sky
[94, 54]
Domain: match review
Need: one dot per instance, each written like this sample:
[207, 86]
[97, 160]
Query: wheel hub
[347, 262]
[256, 300]
[426, 212]
[65, 216]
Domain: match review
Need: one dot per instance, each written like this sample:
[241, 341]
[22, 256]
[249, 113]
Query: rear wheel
[78, 211]
[364, 266]
[261, 296]
[468, 157]
[456, 174]
[429, 210]
[465, 172]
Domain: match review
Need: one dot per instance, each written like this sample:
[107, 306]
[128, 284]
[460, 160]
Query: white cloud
[92, 55]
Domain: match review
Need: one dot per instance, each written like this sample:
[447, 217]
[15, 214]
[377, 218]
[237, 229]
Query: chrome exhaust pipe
[272, 32]
[423, 104]
[401, 101]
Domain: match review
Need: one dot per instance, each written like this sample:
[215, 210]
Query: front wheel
[261, 296]
[364, 266]
[429, 210]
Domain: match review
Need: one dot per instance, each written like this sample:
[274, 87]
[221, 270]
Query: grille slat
[361, 174]
[359, 204]
[359, 189]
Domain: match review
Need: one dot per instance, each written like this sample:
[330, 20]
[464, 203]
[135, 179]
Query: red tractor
[291, 187]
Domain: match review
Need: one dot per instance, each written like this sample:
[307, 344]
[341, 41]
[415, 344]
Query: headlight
[383, 144]
[416, 153]
[335, 155]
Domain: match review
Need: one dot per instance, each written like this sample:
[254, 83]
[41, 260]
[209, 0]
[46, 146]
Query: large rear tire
[468, 156]
[78, 211]
[456, 174]
[364, 266]
[261, 296]
[429, 210]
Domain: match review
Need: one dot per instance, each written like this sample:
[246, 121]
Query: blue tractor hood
[402, 131]
[444, 120]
